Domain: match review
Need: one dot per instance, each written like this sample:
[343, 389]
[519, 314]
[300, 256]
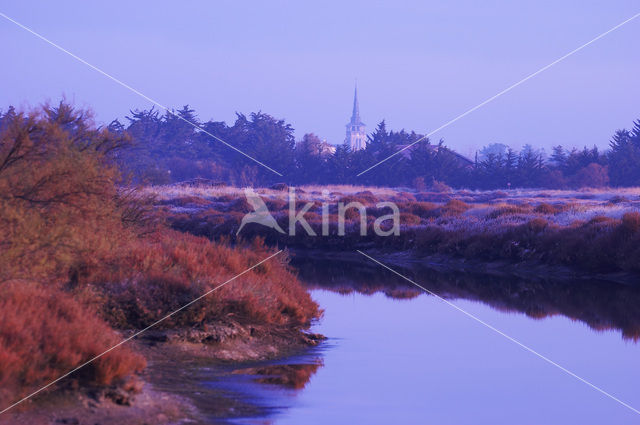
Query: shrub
[59, 196]
[44, 334]
[422, 209]
[537, 225]
[508, 210]
[409, 219]
[153, 278]
[363, 199]
[631, 221]
[440, 187]
[593, 175]
[545, 208]
[403, 197]
[601, 220]
[419, 184]
[455, 207]
[69, 225]
[368, 195]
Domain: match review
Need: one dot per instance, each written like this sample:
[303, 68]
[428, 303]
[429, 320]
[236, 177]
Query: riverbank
[168, 391]
[86, 260]
[534, 271]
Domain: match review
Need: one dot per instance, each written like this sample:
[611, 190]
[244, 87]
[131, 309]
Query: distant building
[327, 148]
[356, 134]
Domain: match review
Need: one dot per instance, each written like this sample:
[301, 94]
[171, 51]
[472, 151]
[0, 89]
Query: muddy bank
[529, 270]
[169, 389]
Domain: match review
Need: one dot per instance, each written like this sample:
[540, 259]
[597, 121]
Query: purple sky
[418, 64]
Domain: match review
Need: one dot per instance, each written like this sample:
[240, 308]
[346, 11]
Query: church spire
[356, 129]
[355, 116]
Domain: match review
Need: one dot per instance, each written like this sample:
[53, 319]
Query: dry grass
[586, 229]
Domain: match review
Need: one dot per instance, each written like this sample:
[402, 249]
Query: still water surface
[399, 356]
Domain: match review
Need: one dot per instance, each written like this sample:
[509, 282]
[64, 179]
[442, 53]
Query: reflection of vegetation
[295, 376]
[600, 305]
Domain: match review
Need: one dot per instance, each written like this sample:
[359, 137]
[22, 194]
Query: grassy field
[593, 230]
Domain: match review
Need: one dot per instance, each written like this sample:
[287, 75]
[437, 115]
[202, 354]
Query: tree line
[176, 146]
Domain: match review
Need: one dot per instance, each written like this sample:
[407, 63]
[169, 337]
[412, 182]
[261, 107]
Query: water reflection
[293, 376]
[417, 361]
[601, 305]
[255, 392]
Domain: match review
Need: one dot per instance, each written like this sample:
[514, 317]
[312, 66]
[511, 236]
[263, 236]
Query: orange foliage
[58, 195]
[71, 228]
[154, 277]
[45, 333]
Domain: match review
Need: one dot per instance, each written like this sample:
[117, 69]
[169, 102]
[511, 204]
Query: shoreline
[166, 392]
[527, 270]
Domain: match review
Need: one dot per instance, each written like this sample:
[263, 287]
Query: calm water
[396, 355]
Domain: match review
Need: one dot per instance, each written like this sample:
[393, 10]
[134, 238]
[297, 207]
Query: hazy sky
[418, 64]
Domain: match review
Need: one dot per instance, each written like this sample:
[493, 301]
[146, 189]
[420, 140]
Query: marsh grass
[592, 230]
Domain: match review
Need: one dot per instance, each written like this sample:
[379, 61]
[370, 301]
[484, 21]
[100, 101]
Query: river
[397, 355]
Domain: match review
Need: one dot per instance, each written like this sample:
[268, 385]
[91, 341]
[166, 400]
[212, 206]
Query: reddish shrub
[593, 175]
[45, 333]
[351, 213]
[537, 225]
[153, 278]
[545, 208]
[422, 209]
[419, 184]
[403, 197]
[508, 210]
[368, 195]
[440, 187]
[631, 221]
[455, 207]
[409, 219]
[600, 220]
[364, 200]
[67, 221]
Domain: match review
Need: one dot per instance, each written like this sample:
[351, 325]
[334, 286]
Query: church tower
[356, 135]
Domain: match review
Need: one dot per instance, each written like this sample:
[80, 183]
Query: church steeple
[355, 116]
[356, 133]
